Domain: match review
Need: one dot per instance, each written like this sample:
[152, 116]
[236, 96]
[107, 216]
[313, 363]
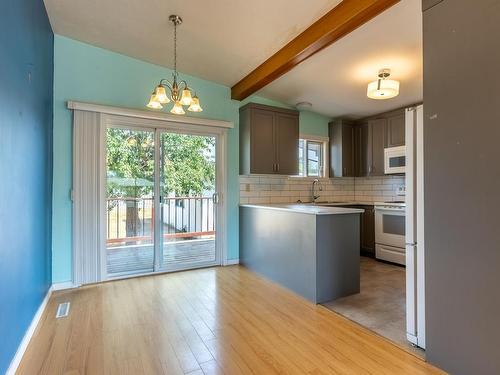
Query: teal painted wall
[314, 124]
[90, 74]
[310, 123]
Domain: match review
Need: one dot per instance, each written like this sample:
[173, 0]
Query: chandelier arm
[167, 84]
[185, 85]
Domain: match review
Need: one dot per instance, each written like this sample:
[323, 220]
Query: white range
[390, 231]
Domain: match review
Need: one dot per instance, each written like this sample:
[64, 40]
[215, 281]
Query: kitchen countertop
[349, 203]
[307, 208]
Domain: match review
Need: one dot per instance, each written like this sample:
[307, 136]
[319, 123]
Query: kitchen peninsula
[312, 250]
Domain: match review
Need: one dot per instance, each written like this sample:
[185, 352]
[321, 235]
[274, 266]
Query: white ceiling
[335, 79]
[219, 40]
[224, 40]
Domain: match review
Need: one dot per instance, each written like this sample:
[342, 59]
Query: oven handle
[392, 209]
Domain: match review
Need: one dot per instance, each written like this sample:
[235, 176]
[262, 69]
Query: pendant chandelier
[176, 91]
[383, 88]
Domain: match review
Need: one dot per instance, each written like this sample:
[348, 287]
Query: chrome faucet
[313, 190]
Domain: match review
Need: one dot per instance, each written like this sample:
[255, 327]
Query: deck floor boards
[127, 259]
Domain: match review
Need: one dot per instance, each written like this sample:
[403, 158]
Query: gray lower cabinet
[367, 229]
[367, 240]
[269, 138]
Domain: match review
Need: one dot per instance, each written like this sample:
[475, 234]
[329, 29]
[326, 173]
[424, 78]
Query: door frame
[195, 128]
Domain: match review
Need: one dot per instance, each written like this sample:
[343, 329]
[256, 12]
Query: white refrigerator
[415, 271]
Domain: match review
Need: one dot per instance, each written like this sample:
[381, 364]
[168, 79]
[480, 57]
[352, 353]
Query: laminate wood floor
[209, 321]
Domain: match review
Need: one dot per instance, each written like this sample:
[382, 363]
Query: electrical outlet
[247, 187]
[401, 190]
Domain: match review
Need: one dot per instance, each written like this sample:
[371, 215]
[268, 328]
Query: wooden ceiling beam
[338, 22]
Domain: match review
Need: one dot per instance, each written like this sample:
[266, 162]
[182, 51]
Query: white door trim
[136, 123]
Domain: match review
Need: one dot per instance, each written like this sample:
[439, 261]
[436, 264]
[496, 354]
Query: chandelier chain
[175, 48]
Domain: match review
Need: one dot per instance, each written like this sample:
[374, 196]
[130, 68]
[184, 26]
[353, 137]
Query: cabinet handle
[278, 167]
[345, 171]
[274, 167]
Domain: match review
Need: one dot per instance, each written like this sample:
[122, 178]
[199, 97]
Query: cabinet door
[361, 160]
[287, 143]
[395, 134]
[376, 142]
[368, 229]
[263, 157]
[347, 150]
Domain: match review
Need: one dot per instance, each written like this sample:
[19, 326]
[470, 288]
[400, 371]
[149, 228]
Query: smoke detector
[303, 106]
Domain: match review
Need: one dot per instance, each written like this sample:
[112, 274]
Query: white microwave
[395, 160]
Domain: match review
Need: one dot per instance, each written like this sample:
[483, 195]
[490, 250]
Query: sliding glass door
[161, 201]
[187, 224]
[130, 156]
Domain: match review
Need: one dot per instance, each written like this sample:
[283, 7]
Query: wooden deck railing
[182, 217]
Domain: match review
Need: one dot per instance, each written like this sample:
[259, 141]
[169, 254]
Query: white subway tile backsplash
[280, 189]
[259, 200]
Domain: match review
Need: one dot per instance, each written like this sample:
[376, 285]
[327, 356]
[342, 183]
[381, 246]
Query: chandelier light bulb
[186, 98]
[177, 109]
[161, 95]
[154, 103]
[195, 105]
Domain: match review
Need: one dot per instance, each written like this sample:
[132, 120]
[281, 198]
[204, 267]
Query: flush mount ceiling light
[383, 88]
[178, 91]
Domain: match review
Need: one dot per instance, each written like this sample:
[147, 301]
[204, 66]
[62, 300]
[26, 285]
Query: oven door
[395, 160]
[390, 226]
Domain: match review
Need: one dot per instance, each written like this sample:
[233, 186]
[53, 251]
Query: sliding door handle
[215, 198]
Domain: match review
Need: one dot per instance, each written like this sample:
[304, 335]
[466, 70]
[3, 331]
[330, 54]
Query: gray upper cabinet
[287, 135]
[395, 132]
[357, 148]
[342, 146]
[376, 145]
[269, 138]
[361, 159]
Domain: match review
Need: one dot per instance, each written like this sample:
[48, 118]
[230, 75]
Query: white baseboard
[63, 286]
[231, 262]
[14, 364]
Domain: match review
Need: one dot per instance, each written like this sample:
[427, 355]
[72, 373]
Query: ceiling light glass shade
[161, 95]
[195, 105]
[186, 98]
[383, 89]
[177, 109]
[153, 103]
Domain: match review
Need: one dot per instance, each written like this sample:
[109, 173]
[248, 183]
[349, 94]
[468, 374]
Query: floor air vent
[62, 310]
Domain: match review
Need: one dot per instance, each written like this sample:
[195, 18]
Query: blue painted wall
[26, 70]
[86, 73]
